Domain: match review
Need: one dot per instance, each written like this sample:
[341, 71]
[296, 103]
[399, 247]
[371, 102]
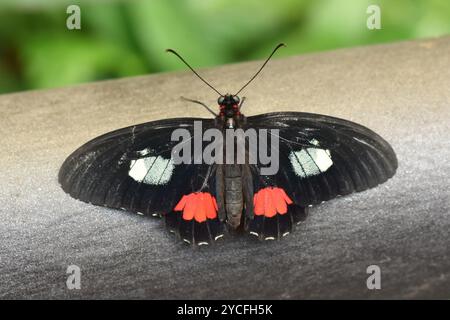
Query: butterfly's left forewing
[133, 169]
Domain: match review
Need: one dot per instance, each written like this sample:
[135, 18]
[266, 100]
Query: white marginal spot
[203, 243]
[269, 238]
[187, 241]
[140, 213]
[151, 170]
[285, 234]
[218, 237]
[310, 162]
[254, 233]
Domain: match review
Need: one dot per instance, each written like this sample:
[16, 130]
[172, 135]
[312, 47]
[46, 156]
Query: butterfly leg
[220, 193]
[247, 188]
[242, 102]
[200, 103]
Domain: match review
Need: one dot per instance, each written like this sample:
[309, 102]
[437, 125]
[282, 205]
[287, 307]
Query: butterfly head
[229, 105]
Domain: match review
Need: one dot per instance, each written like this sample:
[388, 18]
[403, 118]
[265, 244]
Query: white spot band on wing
[151, 170]
[310, 161]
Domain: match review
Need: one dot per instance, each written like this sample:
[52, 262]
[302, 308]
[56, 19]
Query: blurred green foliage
[125, 38]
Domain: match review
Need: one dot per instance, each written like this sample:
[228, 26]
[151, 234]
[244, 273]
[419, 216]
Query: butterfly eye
[220, 100]
[236, 99]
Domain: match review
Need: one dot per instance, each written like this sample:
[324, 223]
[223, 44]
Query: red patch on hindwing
[197, 205]
[270, 201]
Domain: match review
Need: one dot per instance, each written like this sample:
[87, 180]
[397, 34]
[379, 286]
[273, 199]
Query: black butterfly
[319, 157]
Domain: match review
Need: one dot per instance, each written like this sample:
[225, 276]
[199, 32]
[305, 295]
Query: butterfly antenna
[192, 69]
[262, 67]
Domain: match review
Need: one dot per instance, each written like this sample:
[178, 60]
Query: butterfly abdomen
[234, 201]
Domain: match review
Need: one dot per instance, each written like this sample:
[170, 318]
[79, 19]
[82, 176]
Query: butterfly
[318, 158]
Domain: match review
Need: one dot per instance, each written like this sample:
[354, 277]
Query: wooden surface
[401, 91]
